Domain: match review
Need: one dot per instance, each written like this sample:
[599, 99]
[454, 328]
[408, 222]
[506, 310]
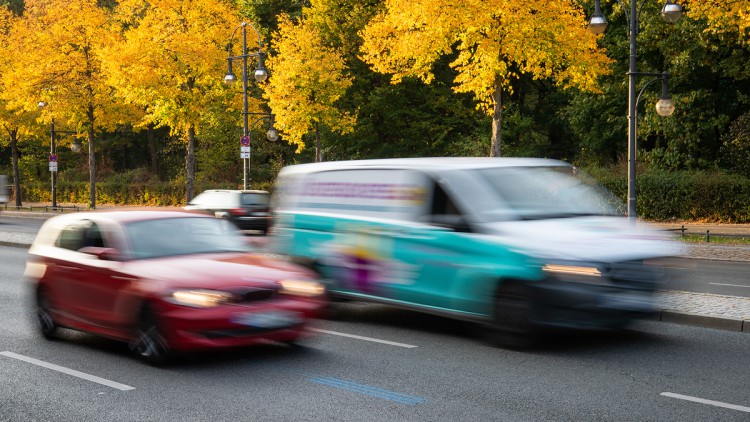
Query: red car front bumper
[230, 326]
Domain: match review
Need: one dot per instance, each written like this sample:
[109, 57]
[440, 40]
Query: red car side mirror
[104, 254]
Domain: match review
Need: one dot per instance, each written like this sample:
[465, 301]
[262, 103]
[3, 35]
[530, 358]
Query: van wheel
[47, 325]
[149, 345]
[514, 312]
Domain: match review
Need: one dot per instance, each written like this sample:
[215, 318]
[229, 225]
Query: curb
[706, 321]
[15, 244]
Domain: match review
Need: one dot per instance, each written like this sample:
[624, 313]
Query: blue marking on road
[368, 390]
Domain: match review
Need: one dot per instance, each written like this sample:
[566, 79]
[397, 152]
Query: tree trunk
[152, 151]
[16, 172]
[92, 159]
[190, 163]
[497, 122]
[318, 147]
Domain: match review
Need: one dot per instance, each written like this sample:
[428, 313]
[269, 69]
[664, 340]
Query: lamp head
[75, 146]
[671, 12]
[598, 23]
[229, 78]
[272, 134]
[665, 107]
[260, 73]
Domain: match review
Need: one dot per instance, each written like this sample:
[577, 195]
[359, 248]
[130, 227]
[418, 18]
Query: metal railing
[684, 232]
[43, 208]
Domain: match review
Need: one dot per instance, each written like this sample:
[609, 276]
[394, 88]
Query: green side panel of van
[407, 263]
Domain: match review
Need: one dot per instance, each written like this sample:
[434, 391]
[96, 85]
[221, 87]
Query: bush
[118, 192]
[684, 195]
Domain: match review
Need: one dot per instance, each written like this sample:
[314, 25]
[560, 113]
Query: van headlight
[301, 288]
[572, 270]
[200, 298]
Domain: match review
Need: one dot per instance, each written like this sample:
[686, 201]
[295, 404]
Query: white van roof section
[452, 163]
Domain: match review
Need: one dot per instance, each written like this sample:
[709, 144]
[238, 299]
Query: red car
[166, 281]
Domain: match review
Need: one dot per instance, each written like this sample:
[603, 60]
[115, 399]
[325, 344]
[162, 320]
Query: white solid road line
[711, 402]
[732, 285]
[375, 340]
[68, 371]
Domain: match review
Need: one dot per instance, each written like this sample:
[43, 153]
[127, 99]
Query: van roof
[448, 163]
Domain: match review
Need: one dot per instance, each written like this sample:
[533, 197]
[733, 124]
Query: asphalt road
[704, 276]
[20, 225]
[401, 366]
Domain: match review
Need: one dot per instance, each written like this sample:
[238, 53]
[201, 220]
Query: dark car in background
[247, 209]
[166, 281]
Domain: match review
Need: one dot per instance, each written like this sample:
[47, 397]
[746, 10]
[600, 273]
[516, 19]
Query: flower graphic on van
[362, 269]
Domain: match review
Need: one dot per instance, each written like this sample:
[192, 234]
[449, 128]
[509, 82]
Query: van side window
[442, 203]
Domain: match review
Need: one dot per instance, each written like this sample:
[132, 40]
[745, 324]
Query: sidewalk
[700, 309]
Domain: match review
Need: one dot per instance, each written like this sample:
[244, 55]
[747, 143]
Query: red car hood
[216, 271]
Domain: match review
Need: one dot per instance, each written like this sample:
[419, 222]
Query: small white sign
[244, 149]
[244, 155]
[52, 166]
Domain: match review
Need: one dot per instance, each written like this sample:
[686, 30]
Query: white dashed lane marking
[68, 371]
[709, 402]
[374, 340]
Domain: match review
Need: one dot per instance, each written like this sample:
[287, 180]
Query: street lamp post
[670, 12]
[260, 75]
[53, 154]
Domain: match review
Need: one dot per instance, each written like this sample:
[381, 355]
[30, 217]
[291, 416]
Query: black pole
[246, 161]
[632, 32]
[53, 173]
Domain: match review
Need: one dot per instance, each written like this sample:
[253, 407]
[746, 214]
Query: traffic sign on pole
[52, 158]
[245, 140]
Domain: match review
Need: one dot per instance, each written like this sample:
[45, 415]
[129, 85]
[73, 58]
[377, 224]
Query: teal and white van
[515, 243]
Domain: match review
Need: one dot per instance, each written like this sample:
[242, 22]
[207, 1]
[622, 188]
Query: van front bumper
[610, 299]
[580, 306]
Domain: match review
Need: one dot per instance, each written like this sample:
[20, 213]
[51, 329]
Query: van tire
[514, 316]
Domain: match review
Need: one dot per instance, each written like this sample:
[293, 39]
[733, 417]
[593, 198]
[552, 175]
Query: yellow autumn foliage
[496, 41]
[172, 59]
[55, 54]
[722, 15]
[307, 79]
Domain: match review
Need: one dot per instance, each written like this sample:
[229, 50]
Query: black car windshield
[532, 193]
[255, 199]
[183, 236]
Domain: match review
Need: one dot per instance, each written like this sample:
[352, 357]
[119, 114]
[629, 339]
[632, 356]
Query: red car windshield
[183, 236]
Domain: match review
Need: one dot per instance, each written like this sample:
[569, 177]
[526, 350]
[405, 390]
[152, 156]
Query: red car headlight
[200, 298]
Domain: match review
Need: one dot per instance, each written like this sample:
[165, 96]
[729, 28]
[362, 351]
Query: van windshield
[534, 193]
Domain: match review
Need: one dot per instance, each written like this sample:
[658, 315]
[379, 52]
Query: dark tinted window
[255, 199]
[79, 235]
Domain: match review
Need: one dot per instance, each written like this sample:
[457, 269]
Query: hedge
[150, 194]
[683, 195]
